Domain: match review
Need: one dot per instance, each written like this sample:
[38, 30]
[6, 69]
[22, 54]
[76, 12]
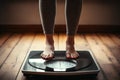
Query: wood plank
[56, 41]
[7, 47]
[38, 44]
[115, 38]
[12, 65]
[100, 50]
[80, 42]
[100, 46]
[113, 52]
[4, 37]
[62, 42]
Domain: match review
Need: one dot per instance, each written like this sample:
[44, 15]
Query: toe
[72, 55]
[42, 55]
[67, 55]
[47, 56]
[50, 56]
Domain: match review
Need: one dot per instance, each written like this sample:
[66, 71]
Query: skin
[49, 49]
[72, 15]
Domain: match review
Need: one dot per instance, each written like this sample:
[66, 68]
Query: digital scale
[84, 65]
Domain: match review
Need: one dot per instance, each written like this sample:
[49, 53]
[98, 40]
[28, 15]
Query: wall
[94, 12]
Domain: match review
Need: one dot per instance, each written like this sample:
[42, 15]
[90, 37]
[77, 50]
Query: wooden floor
[14, 47]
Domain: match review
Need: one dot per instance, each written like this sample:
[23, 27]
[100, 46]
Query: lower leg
[70, 50]
[73, 10]
[49, 47]
[47, 14]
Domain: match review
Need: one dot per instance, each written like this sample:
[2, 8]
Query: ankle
[49, 39]
[49, 42]
[70, 47]
[70, 40]
[69, 44]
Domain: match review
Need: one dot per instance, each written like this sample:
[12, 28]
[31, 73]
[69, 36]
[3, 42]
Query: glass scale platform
[84, 65]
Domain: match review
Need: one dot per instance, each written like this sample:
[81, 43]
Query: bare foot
[48, 53]
[71, 53]
[70, 50]
[49, 49]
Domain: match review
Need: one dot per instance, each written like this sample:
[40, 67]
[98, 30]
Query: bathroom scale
[84, 65]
